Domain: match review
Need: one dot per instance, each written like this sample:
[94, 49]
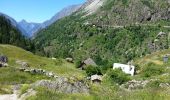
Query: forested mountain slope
[9, 34]
[118, 31]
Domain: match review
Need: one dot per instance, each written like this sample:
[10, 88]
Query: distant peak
[23, 21]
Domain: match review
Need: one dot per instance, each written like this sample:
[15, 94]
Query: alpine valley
[98, 50]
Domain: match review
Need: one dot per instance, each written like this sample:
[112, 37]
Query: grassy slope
[152, 91]
[59, 66]
[105, 91]
[110, 91]
[10, 76]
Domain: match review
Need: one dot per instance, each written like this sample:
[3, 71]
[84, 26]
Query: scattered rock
[30, 92]
[26, 70]
[164, 85]
[25, 64]
[22, 63]
[53, 58]
[69, 60]
[50, 74]
[134, 84]
[33, 71]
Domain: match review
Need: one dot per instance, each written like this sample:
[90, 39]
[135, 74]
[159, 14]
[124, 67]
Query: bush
[117, 76]
[152, 70]
[154, 84]
[91, 70]
[77, 63]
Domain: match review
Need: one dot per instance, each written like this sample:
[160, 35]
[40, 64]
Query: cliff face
[123, 12]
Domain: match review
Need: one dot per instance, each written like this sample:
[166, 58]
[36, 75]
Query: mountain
[10, 34]
[117, 31]
[14, 23]
[126, 12]
[63, 13]
[32, 28]
[95, 35]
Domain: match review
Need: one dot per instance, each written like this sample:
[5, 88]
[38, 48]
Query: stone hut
[165, 58]
[96, 79]
[3, 61]
[87, 62]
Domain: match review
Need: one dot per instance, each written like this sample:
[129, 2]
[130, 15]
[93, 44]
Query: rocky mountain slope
[126, 12]
[91, 6]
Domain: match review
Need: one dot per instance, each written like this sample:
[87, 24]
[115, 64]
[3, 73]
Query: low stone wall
[60, 84]
[39, 71]
[3, 64]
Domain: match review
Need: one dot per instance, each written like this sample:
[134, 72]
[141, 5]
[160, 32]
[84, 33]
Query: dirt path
[8, 97]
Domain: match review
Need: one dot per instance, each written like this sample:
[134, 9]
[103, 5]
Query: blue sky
[34, 10]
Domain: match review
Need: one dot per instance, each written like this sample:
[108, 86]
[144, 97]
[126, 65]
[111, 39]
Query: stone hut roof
[96, 77]
[3, 59]
[89, 61]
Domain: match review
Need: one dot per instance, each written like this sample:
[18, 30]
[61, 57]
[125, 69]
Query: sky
[34, 10]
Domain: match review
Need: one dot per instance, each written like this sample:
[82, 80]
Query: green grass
[107, 90]
[11, 75]
[146, 94]
[45, 94]
[5, 89]
[24, 88]
[59, 66]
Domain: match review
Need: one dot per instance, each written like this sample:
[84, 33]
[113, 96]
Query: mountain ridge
[31, 31]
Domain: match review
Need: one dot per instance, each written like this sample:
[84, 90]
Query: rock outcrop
[63, 85]
[134, 84]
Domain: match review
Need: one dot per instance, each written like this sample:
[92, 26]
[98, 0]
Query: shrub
[77, 63]
[91, 70]
[58, 62]
[117, 76]
[152, 70]
[154, 84]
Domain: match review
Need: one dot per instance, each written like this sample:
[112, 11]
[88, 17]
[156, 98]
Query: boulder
[21, 69]
[22, 63]
[26, 70]
[53, 58]
[25, 65]
[5, 65]
[63, 85]
[164, 85]
[50, 74]
[69, 60]
[33, 71]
